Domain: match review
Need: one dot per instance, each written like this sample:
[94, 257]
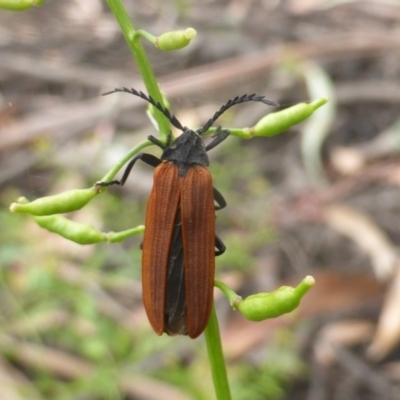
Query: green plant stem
[142, 62]
[114, 170]
[117, 237]
[228, 292]
[212, 335]
[216, 358]
[243, 133]
[148, 36]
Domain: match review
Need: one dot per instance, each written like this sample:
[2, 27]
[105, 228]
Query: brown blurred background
[321, 199]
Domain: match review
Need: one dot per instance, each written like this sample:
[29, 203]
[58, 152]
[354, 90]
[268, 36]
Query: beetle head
[188, 148]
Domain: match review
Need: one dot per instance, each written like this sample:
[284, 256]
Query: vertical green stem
[141, 60]
[216, 357]
[213, 339]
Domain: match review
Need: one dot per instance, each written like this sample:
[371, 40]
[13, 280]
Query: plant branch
[216, 358]
[142, 62]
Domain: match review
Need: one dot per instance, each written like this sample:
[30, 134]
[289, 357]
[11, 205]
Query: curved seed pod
[68, 201]
[261, 306]
[277, 122]
[75, 231]
[175, 40]
[19, 5]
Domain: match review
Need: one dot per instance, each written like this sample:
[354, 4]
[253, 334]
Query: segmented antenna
[174, 121]
[230, 103]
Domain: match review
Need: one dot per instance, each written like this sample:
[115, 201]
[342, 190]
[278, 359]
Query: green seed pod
[71, 230]
[277, 122]
[262, 306]
[19, 5]
[65, 202]
[175, 40]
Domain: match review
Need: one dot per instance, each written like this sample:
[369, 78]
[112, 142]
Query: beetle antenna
[230, 103]
[171, 118]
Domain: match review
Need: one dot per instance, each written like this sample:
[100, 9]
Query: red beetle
[180, 244]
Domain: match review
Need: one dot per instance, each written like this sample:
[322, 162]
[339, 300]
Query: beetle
[179, 243]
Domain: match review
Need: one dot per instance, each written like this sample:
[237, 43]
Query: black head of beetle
[188, 148]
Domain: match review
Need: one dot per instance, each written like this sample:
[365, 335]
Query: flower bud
[262, 306]
[175, 40]
[64, 202]
[277, 122]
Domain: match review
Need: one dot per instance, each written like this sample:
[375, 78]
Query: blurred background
[321, 199]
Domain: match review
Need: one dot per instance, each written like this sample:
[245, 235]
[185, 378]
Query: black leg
[220, 246]
[157, 142]
[147, 158]
[221, 135]
[219, 199]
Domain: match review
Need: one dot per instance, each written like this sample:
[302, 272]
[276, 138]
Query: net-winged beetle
[179, 244]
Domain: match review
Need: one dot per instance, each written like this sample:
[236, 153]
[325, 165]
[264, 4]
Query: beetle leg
[145, 157]
[220, 246]
[219, 199]
[221, 135]
[157, 142]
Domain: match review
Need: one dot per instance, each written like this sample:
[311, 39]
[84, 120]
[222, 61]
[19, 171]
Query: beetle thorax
[187, 148]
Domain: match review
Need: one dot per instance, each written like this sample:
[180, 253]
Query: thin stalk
[243, 133]
[216, 358]
[115, 169]
[142, 62]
